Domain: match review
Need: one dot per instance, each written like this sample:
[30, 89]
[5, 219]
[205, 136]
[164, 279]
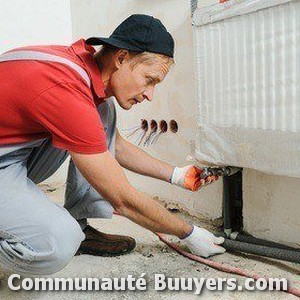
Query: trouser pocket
[14, 253]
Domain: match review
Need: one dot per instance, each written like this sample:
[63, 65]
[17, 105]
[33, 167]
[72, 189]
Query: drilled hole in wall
[163, 126]
[173, 126]
[144, 124]
[153, 125]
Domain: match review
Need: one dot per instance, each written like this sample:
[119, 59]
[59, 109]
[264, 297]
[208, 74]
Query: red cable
[217, 265]
[221, 266]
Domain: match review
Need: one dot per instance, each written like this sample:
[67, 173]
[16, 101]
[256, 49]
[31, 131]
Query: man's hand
[135, 159]
[203, 243]
[189, 177]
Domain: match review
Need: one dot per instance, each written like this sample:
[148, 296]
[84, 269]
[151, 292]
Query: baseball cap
[139, 33]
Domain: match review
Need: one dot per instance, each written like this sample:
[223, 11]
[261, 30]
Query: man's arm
[135, 159]
[108, 178]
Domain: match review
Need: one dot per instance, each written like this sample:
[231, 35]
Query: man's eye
[150, 80]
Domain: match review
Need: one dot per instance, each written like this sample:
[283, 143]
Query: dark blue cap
[139, 33]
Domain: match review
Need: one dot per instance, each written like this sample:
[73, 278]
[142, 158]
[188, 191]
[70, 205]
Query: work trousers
[38, 236]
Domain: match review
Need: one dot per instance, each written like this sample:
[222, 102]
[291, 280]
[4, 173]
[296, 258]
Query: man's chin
[127, 105]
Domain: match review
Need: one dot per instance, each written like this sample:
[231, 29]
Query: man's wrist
[188, 232]
[170, 176]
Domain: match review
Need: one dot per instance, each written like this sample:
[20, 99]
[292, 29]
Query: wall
[34, 22]
[272, 206]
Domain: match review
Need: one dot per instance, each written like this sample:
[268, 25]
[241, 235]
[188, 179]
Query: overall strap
[41, 56]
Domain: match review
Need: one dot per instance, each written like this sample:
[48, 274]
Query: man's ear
[120, 57]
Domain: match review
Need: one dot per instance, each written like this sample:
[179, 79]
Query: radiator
[247, 56]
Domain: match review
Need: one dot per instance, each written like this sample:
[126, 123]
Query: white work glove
[189, 178]
[203, 243]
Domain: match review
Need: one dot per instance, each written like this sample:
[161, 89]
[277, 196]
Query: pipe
[227, 211]
[271, 252]
[233, 202]
[238, 242]
[253, 240]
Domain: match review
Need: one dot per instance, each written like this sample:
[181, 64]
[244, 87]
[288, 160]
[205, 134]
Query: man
[53, 104]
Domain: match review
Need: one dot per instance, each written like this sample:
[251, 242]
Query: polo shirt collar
[85, 53]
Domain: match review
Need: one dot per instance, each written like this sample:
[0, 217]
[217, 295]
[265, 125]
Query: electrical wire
[222, 267]
[216, 265]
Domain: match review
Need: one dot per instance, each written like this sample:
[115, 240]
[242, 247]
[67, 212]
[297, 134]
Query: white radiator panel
[248, 85]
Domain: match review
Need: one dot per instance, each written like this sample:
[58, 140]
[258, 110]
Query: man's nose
[148, 93]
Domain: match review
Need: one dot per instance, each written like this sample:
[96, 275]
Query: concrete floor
[151, 257]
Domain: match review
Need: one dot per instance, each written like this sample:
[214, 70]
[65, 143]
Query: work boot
[103, 244]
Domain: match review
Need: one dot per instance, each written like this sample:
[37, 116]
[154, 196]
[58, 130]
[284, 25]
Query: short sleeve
[71, 117]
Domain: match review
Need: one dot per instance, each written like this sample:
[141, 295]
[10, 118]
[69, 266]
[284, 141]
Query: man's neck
[106, 73]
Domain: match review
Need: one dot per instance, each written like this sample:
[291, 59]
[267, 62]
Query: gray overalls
[37, 236]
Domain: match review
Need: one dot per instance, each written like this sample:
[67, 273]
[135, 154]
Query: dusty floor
[152, 257]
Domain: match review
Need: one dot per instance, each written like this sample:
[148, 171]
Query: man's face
[132, 85]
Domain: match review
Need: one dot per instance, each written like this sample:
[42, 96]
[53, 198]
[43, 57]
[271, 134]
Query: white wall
[272, 206]
[34, 22]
